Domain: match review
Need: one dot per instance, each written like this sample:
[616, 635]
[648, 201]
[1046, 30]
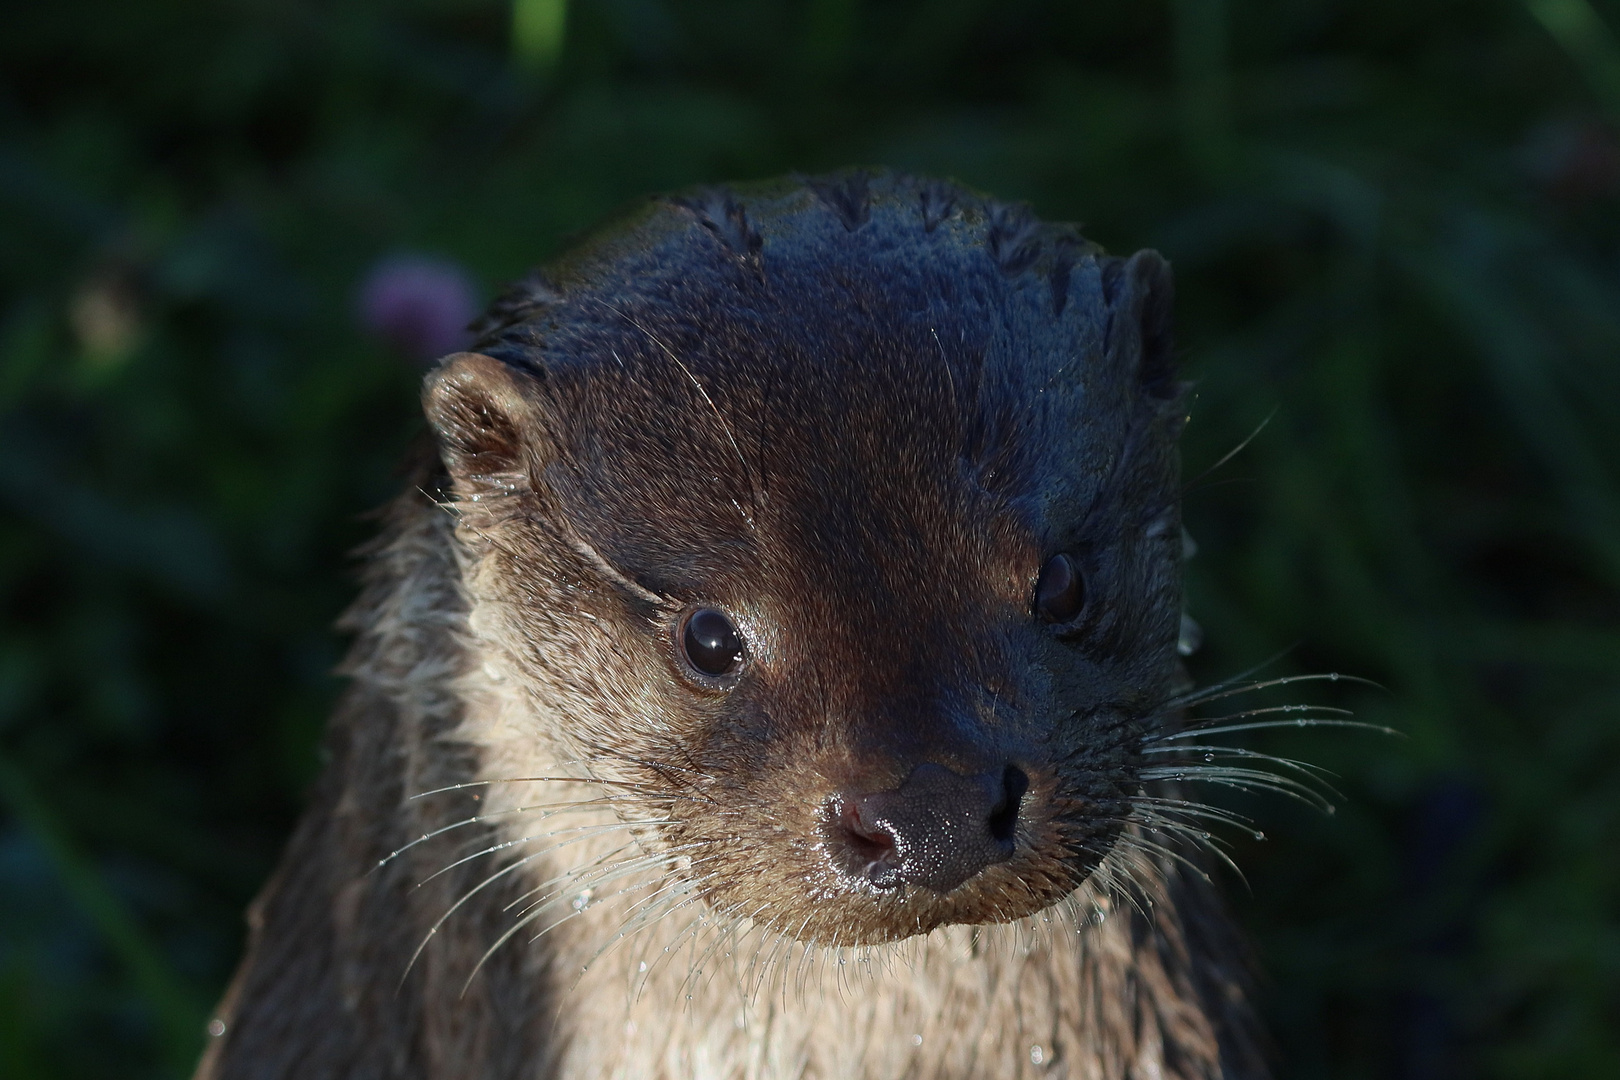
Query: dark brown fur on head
[858, 416]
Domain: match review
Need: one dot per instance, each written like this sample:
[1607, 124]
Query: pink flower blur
[418, 304]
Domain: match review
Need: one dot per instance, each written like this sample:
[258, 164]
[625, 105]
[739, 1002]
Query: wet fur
[622, 885]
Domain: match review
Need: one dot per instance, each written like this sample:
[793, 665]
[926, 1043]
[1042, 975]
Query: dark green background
[1394, 224]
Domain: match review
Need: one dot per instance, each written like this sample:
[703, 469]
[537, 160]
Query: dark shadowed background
[231, 231]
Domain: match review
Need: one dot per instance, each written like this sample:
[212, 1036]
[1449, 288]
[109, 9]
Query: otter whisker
[662, 770]
[1190, 771]
[520, 924]
[649, 859]
[1197, 811]
[1150, 863]
[1196, 831]
[660, 767]
[1130, 876]
[1301, 722]
[1244, 779]
[633, 922]
[767, 931]
[810, 958]
[787, 941]
[805, 947]
[671, 895]
[1243, 680]
[1192, 484]
[721, 928]
[580, 832]
[535, 780]
[1186, 725]
[535, 911]
[724, 929]
[1220, 690]
[1141, 867]
[686, 888]
[465, 897]
[552, 810]
[485, 883]
[604, 875]
[770, 938]
[687, 937]
[673, 904]
[668, 907]
[1199, 838]
[536, 833]
[492, 878]
[1219, 753]
[600, 875]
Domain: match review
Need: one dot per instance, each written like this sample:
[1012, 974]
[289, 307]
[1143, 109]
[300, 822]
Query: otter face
[838, 522]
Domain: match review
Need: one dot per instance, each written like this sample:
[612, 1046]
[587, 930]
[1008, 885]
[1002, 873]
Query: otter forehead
[920, 386]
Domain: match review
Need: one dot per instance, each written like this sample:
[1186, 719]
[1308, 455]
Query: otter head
[833, 527]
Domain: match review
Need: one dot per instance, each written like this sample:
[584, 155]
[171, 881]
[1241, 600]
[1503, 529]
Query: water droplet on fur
[1259, 835]
[1333, 676]
[583, 900]
[643, 966]
[1332, 809]
[1191, 636]
[216, 1027]
[1209, 757]
[1037, 1054]
[916, 1040]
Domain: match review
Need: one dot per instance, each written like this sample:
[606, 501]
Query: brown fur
[800, 407]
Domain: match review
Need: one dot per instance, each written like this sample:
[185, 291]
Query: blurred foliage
[1394, 226]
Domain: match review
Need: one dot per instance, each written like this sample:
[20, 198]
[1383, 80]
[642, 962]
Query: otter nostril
[1004, 816]
[872, 847]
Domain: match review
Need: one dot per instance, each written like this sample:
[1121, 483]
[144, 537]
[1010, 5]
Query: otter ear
[489, 421]
[1140, 294]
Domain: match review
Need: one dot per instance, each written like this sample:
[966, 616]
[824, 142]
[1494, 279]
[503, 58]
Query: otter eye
[1060, 592]
[711, 643]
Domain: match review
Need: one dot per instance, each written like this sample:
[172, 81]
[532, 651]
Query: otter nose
[935, 830]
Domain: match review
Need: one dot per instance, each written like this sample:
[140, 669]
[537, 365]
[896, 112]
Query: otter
[762, 675]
